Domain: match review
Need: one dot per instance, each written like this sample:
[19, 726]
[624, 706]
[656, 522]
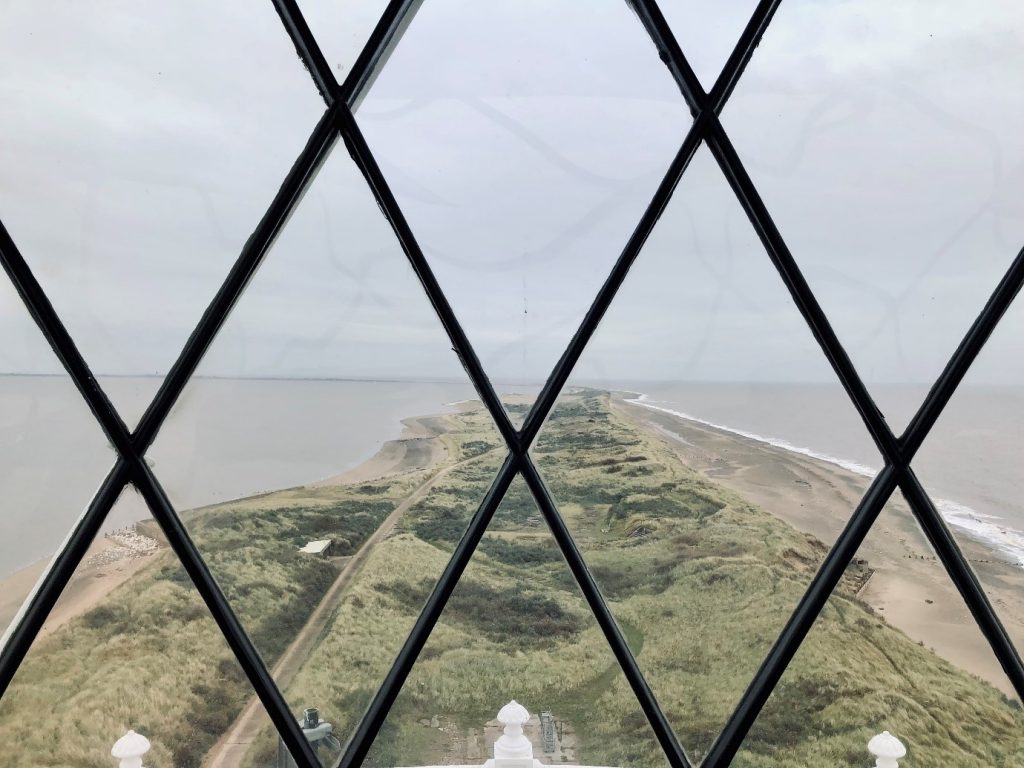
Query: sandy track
[231, 748]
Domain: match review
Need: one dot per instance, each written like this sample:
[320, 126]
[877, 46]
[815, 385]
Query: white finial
[130, 748]
[887, 750]
[513, 748]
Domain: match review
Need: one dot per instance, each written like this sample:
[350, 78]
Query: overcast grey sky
[140, 145]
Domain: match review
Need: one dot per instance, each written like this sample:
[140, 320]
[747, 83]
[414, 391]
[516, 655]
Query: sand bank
[106, 565]
[418, 447]
[908, 585]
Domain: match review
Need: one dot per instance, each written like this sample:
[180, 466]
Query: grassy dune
[699, 580]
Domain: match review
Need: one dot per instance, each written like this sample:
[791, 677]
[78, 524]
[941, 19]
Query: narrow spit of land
[701, 562]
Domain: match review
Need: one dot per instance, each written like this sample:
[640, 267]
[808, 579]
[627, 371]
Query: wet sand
[908, 586]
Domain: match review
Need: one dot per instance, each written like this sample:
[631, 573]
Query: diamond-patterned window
[593, 354]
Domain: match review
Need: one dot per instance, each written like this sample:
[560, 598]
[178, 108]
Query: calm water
[226, 438]
[971, 463]
[230, 438]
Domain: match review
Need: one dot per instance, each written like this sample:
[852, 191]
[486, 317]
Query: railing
[512, 749]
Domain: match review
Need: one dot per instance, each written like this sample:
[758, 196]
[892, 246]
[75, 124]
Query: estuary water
[225, 438]
[228, 438]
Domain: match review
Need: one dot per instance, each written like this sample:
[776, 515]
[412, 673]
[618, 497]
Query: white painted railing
[512, 749]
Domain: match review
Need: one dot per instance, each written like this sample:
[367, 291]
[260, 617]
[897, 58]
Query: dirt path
[231, 748]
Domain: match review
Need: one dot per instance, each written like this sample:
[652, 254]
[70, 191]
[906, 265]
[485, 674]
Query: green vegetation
[699, 580]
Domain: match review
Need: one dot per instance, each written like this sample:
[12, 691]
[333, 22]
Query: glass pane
[516, 627]
[579, 132]
[707, 32]
[129, 645]
[970, 465]
[895, 649]
[886, 150]
[335, 433]
[342, 29]
[140, 151]
[704, 455]
[53, 453]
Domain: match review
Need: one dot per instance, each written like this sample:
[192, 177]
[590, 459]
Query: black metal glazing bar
[70, 555]
[364, 159]
[672, 55]
[42, 312]
[757, 212]
[308, 49]
[944, 544]
[545, 401]
[384, 35]
[964, 356]
[131, 464]
[803, 618]
[397, 16]
[377, 712]
[801, 293]
[59, 573]
[896, 453]
[666, 736]
[131, 450]
[294, 186]
[852, 536]
[730, 75]
[741, 54]
[237, 639]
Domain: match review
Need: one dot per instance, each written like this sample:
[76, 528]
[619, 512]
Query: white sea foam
[777, 442]
[987, 529]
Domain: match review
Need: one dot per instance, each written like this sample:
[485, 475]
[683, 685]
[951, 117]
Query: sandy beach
[106, 565]
[908, 585]
[419, 447]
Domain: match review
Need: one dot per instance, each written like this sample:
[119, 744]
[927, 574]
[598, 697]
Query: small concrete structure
[318, 547]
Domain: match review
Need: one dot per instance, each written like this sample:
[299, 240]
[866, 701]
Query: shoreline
[1004, 541]
[417, 448]
[908, 586]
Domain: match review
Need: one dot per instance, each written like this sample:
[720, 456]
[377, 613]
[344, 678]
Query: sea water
[971, 463]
